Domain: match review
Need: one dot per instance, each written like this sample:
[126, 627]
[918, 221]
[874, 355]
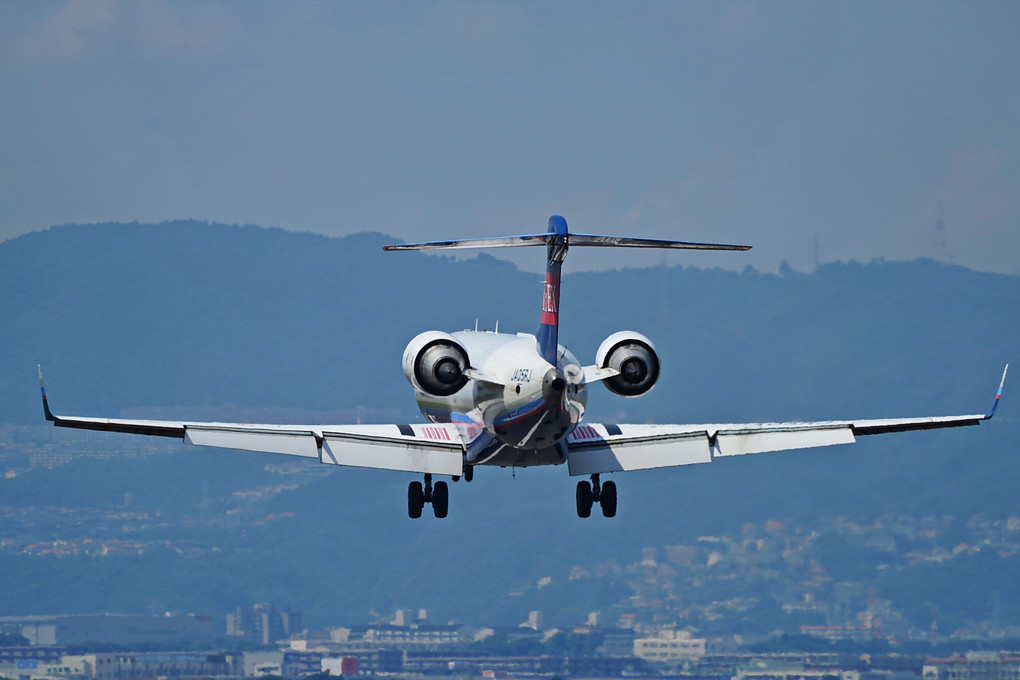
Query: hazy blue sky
[753, 122]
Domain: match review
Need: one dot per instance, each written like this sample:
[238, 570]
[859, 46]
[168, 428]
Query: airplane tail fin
[557, 240]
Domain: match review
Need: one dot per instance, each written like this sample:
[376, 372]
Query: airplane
[518, 400]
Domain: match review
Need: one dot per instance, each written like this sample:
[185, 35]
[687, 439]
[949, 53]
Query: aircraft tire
[440, 499]
[469, 473]
[607, 499]
[415, 500]
[584, 499]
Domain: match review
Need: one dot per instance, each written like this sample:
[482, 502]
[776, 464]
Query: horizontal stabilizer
[494, 242]
[628, 242]
[593, 240]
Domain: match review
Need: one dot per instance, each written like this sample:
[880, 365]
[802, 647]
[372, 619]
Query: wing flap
[286, 442]
[740, 442]
[435, 449]
[592, 449]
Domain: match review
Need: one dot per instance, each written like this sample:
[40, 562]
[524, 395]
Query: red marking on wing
[586, 432]
[438, 433]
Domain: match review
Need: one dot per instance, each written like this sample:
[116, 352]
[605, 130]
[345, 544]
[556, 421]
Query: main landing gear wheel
[589, 493]
[584, 499]
[418, 495]
[415, 500]
[607, 499]
[440, 500]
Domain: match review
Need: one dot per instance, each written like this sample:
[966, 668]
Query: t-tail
[557, 240]
[549, 327]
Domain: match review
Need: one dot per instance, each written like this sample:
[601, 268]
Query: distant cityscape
[768, 601]
[269, 642]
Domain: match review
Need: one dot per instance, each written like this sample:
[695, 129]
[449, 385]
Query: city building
[764, 669]
[264, 623]
[669, 646]
[973, 666]
[119, 628]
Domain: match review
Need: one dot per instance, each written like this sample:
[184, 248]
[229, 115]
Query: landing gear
[469, 473]
[418, 496]
[589, 493]
[584, 499]
[607, 499]
[415, 500]
[440, 500]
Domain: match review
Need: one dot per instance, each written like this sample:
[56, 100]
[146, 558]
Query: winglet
[46, 407]
[998, 394]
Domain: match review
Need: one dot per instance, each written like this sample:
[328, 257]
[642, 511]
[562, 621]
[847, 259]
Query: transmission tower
[940, 233]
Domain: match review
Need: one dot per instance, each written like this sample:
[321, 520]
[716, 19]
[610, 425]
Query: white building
[669, 645]
[262, 663]
[778, 670]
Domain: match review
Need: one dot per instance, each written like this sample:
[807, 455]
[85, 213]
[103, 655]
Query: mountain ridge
[197, 316]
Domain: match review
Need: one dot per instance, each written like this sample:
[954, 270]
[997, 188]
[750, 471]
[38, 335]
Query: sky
[814, 131]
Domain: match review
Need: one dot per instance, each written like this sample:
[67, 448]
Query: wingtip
[46, 406]
[998, 394]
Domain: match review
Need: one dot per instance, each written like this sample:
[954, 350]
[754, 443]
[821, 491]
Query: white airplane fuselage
[521, 409]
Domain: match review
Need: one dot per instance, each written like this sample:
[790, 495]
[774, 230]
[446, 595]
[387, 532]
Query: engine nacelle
[434, 362]
[633, 355]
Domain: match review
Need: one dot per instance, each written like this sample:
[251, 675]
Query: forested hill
[196, 318]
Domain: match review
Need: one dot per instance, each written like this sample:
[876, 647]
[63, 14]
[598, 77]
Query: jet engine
[633, 355]
[434, 362]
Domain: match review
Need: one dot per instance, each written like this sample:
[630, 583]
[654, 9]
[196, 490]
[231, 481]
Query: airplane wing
[595, 448]
[431, 448]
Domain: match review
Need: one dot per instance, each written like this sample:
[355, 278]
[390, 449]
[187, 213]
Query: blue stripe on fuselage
[547, 342]
[518, 414]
